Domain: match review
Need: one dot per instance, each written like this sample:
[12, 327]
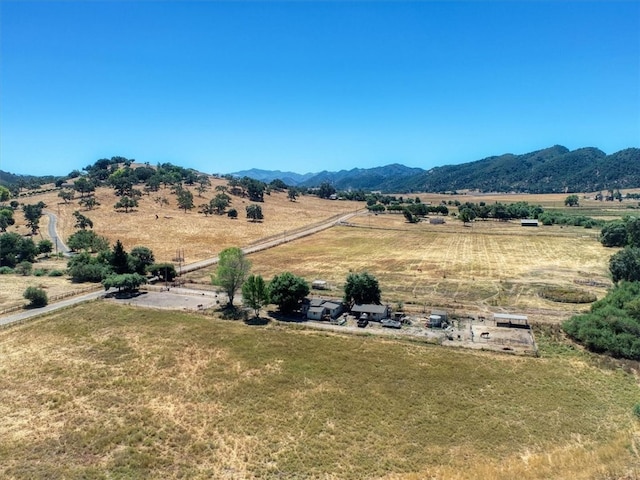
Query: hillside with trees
[551, 170]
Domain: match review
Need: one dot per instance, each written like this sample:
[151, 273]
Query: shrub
[56, 273]
[611, 327]
[6, 270]
[636, 410]
[36, 296]
[40, 272]
[24, 268]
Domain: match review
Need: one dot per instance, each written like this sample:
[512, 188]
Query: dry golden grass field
[198, 236]
[489, 267]
[13, 286]
[104, 391]
[109, 391]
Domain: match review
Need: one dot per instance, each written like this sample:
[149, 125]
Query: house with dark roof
[374, 312]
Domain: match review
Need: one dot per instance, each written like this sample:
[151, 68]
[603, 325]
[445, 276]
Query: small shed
[315, 313]
[511, 321]
[436, 220]
[374, 312]
[528, 222]
[319, 285]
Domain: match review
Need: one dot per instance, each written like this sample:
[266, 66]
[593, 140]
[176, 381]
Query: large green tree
[361, 288]
[82, 222]
[231, 272]
[15, 249]
[219, 203]
[287, 291]
[625, 265]
[572, 201]
[6, 219]
[255, 293]
[120, 259]
[254, 212]
[633, 231]
[185, 199]
[32, 215]
[614, 234]
[126, 203]
[126, 281]
[5, 194]
[141, 258]
[87, 240]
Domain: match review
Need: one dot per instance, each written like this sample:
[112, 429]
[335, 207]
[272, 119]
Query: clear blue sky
[309, 86]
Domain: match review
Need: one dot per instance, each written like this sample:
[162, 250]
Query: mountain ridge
[555, 169]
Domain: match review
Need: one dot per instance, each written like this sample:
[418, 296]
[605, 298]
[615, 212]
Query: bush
[6, 270]
[40, 272]
[24, 268]
[36, 296]
[56, 273]
[636, 410]
[612, 326]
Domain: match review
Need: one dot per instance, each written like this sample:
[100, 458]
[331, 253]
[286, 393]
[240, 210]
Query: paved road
[27, 314]
[271, 243]
[58, 243]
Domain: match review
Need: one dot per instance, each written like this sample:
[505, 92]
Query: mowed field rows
[108, 391]
[488, 267]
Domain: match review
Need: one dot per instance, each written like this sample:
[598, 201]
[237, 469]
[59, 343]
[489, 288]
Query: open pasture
[105, 391]
[491, 266]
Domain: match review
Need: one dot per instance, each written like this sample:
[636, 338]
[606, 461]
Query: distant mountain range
[551, 170]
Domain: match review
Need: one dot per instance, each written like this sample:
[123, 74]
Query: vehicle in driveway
[390, 323]
[363, 322]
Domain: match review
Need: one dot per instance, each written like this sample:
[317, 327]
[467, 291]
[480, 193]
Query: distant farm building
[319, 285]
[436, 221]
[511, 321]
[374, 312]
[528, 222]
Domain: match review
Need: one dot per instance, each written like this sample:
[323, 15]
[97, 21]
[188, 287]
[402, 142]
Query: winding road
[61, 247]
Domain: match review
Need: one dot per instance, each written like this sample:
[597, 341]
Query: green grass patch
[567, 295]
[106, 391]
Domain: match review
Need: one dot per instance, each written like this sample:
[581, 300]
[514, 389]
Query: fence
[53, 298]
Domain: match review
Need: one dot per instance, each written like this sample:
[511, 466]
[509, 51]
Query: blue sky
[311, 86]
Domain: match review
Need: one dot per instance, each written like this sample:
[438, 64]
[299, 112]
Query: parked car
[391, 323]
[363, 322]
